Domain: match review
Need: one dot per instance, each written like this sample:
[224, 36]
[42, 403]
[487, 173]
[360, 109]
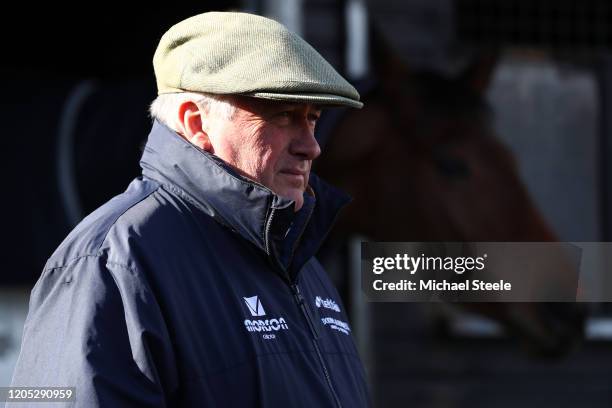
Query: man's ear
[190, 125]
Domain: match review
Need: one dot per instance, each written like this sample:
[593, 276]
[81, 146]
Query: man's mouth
[294, 172]
[295, 176]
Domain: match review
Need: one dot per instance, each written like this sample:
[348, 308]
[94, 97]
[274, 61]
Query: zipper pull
[297, 293]
[302, 304]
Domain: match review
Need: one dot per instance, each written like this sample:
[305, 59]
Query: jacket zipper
[297, 295]
[299, 238]
[315, 340]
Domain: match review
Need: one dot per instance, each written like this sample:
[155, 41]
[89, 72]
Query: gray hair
[164, 108]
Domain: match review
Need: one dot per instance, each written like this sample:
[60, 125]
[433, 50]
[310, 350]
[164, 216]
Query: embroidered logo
[262, 325]
[255, 306]
[327, 304]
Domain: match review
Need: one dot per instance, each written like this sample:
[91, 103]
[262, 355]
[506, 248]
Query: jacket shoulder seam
[70, 261]
[98, 247]
[132, 205]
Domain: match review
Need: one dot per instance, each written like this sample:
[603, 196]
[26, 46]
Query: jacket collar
[250, 209]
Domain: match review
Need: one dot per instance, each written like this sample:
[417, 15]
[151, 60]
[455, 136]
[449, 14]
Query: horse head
[423, 163]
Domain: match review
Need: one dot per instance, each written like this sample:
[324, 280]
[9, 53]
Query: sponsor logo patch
[327, 304]
[336, 324]
[253, 304]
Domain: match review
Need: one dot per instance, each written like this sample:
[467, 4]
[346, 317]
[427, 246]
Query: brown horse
[422, 163]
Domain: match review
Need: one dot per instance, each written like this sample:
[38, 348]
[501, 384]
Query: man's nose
[305, 144]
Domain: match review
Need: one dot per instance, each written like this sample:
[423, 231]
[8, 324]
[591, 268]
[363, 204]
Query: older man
[198, 286]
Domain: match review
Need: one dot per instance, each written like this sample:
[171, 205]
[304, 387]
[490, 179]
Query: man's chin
[295, 195]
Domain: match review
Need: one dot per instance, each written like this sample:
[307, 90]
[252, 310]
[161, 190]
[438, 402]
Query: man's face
[270, 142]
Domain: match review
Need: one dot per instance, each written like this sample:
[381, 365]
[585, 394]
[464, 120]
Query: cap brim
[320, 99]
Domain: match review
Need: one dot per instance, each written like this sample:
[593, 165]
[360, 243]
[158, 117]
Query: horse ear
[387, 66]
[478, 74]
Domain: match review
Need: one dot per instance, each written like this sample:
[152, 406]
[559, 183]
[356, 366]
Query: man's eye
[285, 114]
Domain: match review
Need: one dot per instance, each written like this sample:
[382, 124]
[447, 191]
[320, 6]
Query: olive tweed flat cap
[246, 54]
